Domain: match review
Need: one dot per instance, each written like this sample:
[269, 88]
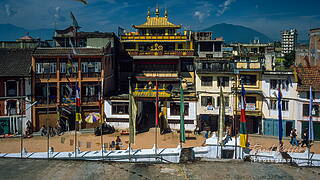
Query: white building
[288, 40]
[271, 82]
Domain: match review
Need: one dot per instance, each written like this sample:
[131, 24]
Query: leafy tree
[289, 59]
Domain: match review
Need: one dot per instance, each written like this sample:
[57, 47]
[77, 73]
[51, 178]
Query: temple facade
[158, 52]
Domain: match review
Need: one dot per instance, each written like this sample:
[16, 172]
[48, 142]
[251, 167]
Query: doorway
[146, 117]
[289, 126]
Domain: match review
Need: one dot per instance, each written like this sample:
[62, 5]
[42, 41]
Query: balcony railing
[88, 99]
[209, 67]
[46, 76]
[153, 37]
[43, 100]
[161, 53]
[160, 74]
[72, 75]
[90, 74]
[248, 65]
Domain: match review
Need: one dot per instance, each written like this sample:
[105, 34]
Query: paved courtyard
[54, 169]
[90, 142]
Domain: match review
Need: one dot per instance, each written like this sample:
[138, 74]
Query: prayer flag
[221, 116]
[182, 130]
[243, 121]
[280, 115]
[78, 103]
[311, 135]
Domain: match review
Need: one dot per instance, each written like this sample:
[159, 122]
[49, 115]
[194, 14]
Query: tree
[289, 59]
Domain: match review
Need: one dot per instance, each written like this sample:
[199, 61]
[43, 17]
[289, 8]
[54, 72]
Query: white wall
[214, 91]
[108, 110]
[289, 94]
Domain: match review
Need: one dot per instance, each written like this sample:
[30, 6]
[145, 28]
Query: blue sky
[266, 16]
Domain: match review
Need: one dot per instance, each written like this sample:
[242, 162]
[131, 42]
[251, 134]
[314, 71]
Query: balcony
[158, 74]
[161, 53]
[89, 99]
[46, 76]
[133, 38]
[248, 65]
[214, 66]
[90, 74]
[42, 100]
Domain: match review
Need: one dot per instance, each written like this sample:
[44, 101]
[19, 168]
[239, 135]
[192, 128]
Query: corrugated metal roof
[65, 51]
[15, 62]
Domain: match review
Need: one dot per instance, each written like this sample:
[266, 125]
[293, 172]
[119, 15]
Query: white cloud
[9, 10]
[224, 6]
[203, 10]
[58, 16]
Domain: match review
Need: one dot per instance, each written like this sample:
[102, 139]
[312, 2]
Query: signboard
[249, 106]
[150, 93]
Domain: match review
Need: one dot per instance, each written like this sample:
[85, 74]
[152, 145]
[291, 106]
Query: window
[12, 107]
[273, 104]
[315, 110]
[206, 66]
[175, 109]
[250, 80]
[273, 84]
[223, 81]
[207, 101]
[187, 66]
[226, 101]
[285, 105]
[11, 88]
[90, 67]
[63, 67]
[282, 83]
[251, 99]
[217, 46]
[180, 46]
[206, 81]
[120, 108]
[313, 94]
[47, 68]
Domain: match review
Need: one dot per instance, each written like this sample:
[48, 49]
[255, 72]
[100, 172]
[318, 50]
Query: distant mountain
[237, 33]
[9, 32]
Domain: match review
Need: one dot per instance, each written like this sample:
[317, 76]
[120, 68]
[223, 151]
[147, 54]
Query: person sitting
[112, 145]
[43, 130]
[118, 143]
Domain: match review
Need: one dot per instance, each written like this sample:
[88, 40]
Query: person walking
[305, 138]
[293, 135]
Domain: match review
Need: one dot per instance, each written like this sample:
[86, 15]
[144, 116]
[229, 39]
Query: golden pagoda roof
[157, 22]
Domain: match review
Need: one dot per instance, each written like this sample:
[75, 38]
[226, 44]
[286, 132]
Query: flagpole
[310, 129]
[130, 117]
[157, 117]
[102, 116]
[182, 131]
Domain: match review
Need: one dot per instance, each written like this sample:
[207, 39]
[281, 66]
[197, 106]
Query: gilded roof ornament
[157, 11]
[148, 12]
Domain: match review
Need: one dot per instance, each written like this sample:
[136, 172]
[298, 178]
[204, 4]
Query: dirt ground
[88, 141]
[68, 170]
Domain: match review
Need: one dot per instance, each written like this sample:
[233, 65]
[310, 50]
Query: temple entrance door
[146, 119]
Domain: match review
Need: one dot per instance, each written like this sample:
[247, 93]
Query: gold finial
[157, 11]
[148, 12]
[166, 13]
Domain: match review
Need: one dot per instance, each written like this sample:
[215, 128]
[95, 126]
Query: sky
[266, 16]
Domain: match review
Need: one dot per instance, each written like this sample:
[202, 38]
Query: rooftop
[157, 22]
[308, 76]
[15, 62]
[66, 51]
